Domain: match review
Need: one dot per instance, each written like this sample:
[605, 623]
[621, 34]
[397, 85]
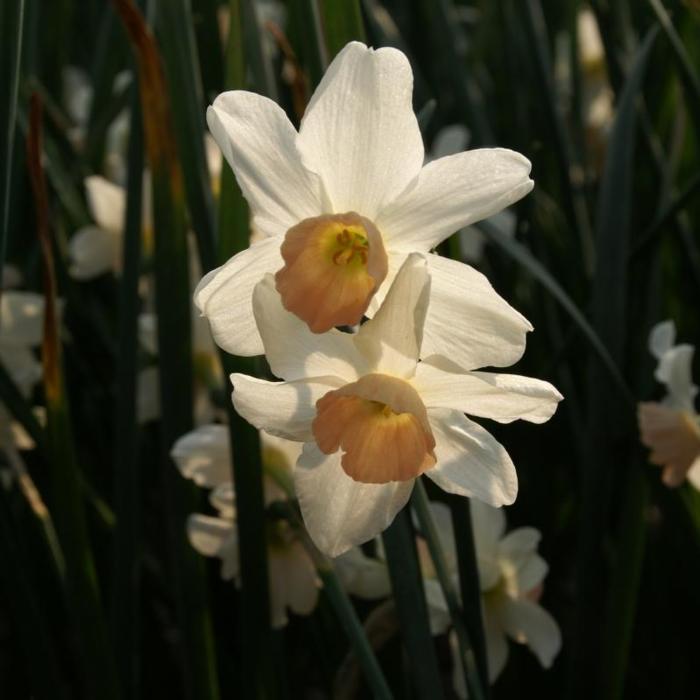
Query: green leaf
[689, 76]
[11, 33]
[68, 505]
[24, 609]
[173, 307]
[576, 208]
[126, 580]
[342, 23]
[524, 257]
[257, 677]
[421, 505]
[176, 38]
[610, 424]
[407, 584]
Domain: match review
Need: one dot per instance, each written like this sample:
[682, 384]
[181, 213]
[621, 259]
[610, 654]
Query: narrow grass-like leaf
[11, 32]
[175, 352]
[688, 73]
[23, 608]
[259, 64]
[421, 505]
[666, 215]
[209, 48]
[127, 575]
[469, 585]
[525, 258]
[407, 584]
[81, 579]
[611, 420]
[342, 23]
[20, 410]
[174, 31]
[566, 158]
[353, 629]
[622, 598]
[254, 632]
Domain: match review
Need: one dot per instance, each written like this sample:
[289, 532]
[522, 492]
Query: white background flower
[203, 455]
[671, 429]
[339, 511]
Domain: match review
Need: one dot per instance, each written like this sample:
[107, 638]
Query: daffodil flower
[511, 574]
[373, 418]
[97, 248]
[203, 456]
[21, 330]
[671, 429]
[343, 202]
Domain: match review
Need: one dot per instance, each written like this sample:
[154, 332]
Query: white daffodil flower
[96, 249]
[21, 330]
[511, 574]
[671, 429]
[343, 202]
[373, 418]
[203, 456]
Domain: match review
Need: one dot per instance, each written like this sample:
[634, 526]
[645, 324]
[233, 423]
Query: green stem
[420, 503]
[125, 603]
[407, 584]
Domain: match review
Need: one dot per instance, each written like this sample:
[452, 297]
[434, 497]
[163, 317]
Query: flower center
[382, 427]
[333, 266]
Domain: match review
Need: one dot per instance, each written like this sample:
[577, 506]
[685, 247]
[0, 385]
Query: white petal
[694, 474]
[21, 318]
[292, 350]
[215, 537]
[93, 251]
[467, 321]
[148, 395]
[662, 338]
[284, 409]
[452, 193]
[259, 142]
[293, 581]
[391, 340]
[204, 455]
[470, 462]
[339, 512]
[107, 203]
[438, 614]
[501, 397]
[531, 573]
[148, 332]
[222, 497]
[528, 623]
[362, 576]
[675, 371]
[359, 132]
[22, 366]
[519, 550]
[496, 644]
[488, 524]
[451, 139]
[225, 297]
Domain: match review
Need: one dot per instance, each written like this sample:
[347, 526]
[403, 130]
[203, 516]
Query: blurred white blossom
[671, 428]
[203, 456]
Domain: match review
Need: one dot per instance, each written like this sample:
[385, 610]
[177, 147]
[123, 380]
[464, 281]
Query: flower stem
[407, 584]
[421, 504]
